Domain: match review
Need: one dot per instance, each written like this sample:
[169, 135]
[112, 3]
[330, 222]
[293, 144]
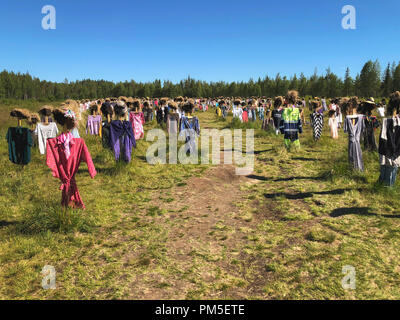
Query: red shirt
[65, 169]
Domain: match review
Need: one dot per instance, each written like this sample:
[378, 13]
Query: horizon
[272, 77]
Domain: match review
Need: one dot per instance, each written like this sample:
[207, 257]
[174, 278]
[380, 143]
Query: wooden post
[19, 122]
[354, 113]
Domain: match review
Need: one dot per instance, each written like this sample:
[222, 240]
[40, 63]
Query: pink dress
[137, 121]
[245, 116]
[65, 169]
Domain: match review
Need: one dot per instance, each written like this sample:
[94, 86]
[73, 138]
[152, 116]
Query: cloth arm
[51, 160]
[282, 126]
[86, 157]
[300, 126]
[346, 127]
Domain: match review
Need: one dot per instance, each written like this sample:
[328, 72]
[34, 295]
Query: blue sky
[229, 40]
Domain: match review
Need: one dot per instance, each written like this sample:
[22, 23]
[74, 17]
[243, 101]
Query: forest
[371, 81]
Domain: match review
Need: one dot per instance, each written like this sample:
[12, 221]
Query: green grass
[288, 234]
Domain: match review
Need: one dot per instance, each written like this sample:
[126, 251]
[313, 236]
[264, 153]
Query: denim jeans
[388, 175]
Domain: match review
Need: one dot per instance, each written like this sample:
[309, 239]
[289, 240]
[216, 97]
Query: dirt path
[205, 235]
[206, 225]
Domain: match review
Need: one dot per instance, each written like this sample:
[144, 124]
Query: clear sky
[229, 40]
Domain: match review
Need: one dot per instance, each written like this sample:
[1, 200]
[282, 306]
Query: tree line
[369, 82]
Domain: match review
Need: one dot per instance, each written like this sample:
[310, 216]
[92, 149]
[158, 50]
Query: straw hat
[120, 109]
[371, 101]
[107, 109]
[34, 118]
[20, 113]
[46, 111]
[173, 105]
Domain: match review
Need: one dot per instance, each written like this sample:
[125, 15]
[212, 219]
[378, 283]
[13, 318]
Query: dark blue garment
[390, 147]
[189, 128]
[253, 115]
[290, 124]
[122, 139]
[105, 135]
[159, 115]
[388, 175]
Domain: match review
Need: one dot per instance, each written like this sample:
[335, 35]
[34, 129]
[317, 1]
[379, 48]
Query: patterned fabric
[93, 125]
[290, 124]
[69, 114]
[66, 139]
[355, 131]
[137, 124]
[65, 169]
[189, 128]
[317, 122]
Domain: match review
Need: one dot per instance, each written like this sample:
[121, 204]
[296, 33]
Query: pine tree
[387, 83]
[348, 85]
[396, 78]
[370, 79]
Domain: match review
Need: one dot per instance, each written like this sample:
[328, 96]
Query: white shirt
[381, 111]
[43, 133]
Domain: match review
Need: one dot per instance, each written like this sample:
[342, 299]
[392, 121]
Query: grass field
[200, 231]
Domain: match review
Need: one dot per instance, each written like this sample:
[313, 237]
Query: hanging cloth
[19, 145]
[64, 155]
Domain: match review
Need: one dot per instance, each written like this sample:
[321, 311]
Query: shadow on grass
[117, 168]
[305, 159]
[361, 211]
[243, 152]
[303, 195]
[261, 178]
[7, 223]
